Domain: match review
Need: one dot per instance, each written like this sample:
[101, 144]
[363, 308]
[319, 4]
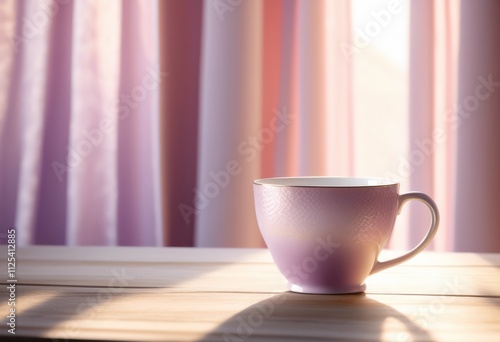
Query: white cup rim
[326, 182]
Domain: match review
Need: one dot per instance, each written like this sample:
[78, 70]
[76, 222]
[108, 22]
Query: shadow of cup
[304, 317]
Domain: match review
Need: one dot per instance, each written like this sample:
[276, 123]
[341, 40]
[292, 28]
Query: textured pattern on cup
[326, 239]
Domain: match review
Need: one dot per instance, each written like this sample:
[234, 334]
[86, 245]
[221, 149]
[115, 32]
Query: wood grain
[186, 294]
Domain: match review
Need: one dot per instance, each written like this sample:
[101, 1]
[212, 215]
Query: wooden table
[188, 294]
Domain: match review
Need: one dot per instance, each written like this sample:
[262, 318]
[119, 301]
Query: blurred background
[144, 122]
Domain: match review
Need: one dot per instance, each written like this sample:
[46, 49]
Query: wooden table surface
[199, 294]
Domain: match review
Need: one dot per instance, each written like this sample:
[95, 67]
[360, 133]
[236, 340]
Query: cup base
[325, 290]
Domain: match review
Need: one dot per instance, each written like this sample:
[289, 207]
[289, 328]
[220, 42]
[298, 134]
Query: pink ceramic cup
[325, 234]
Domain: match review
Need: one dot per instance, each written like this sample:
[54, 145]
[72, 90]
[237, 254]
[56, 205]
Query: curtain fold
[477, 218]
[275, 39]
[286, 142]
[447, 18]
[311, 114]
[180, 25]
[230, 103]
[79, 140]
[339, 86]
[431, 154]
[91, 210]
[49, 189]
[138, 212]
[422, 94]
[25, 94]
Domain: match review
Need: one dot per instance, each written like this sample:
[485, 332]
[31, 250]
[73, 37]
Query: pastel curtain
[454, 141]
[144, 122]
[79, 147]
[477, 185]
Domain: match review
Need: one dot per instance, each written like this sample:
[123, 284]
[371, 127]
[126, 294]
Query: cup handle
[382, 265]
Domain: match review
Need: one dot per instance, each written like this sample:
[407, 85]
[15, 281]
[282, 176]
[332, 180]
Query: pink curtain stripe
[286, 143]
[422, 97]
[272, 55]
[443, 138]
[180, 48]
[312, 150]
[338, 83]
[95, 84]
[477, 217]
[8, 53]
[10, 130]
[51, 194]
[139, 220]
[433, 70]
[230, 103]
[22, 142]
